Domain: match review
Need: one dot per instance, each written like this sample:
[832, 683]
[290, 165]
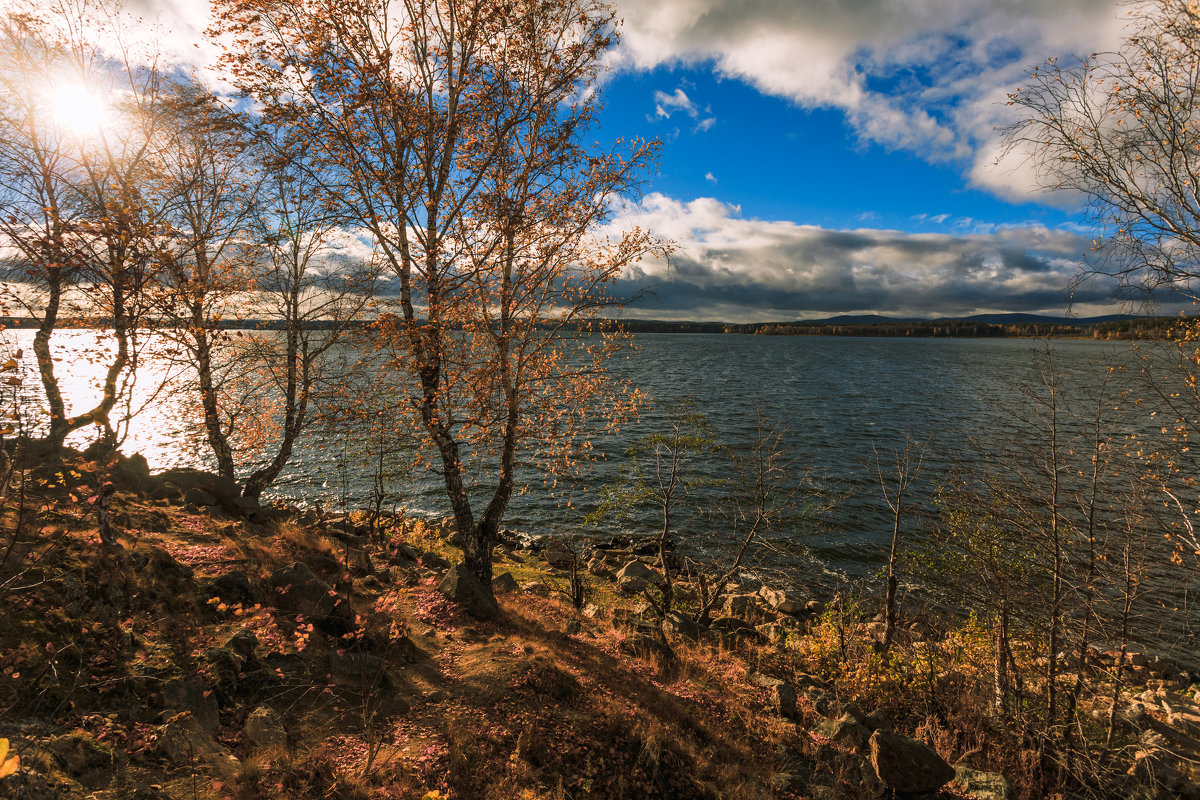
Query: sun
[79, 110]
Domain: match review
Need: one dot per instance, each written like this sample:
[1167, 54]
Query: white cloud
[667, 104]
[708, 176]
[726, 266]
[925, 76]
[704, 124]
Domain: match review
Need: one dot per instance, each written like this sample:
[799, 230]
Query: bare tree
[82, 236]
[453, 131]
[894, 482]
[1120, 129]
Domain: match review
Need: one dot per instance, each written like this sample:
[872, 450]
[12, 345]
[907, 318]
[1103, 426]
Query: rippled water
[842, 399]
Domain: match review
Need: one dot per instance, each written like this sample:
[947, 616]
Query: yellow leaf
[9, 365]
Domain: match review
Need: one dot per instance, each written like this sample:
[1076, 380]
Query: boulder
[84, 758]
[182, 742]
[536, 587]
[906, 765]
[978, 785]
[636, 569]
[814, 607]
[264, 728]
[199, 498]
[632, 585]
[224, 491]
[743, 606]
[731, 630]
[558, 553]
[783, 694]
[461, 587]
[845, 732]
[233, 587]
[680, 626]
[877, 720]
[598, 566]
[504, 583]
[298, 591]
[783, 602]
[193, 694]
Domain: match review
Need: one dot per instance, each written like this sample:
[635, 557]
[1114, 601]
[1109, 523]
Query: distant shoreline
[1026, 326]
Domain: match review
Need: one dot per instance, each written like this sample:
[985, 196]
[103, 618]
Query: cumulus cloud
[667, 104]
[729, 267]
[926, 77]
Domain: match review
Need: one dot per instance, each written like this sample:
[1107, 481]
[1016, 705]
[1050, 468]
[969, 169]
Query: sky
[825, 157]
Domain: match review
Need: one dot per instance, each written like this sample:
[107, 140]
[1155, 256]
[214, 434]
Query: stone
[536, 588]
[978, 785]
[649, 643]
[743, 606]
[731, 630]
[462, 587]
[877, 720]
[783, 602]
[199, 498]
[356, 670]
[243, 644]
[591, 611]
[814, 607]
[182, 742]
[636, 569]
[632, 585]
[504, 583]
[233, 587]
[771, 631]
[783, 694]
[597, 566]
[906, 765]
[678, 625]
[84, 758]
[298, 590]
[193, 694]
[558, 553]
[845, 732]
[264, 728]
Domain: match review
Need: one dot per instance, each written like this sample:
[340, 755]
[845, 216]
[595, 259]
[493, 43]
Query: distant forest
[1106, 328]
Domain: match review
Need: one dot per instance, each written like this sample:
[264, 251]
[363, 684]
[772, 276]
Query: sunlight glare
[79, 110]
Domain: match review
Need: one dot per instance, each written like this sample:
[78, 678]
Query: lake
[842, 400]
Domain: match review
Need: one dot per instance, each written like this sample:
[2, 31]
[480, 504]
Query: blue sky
[840, 156]
[825, 157]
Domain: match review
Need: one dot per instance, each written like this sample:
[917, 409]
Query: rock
[680, 626]
[536, 587]
[978, 785]
[632, 585]
[199, 498]
[636, 569]
[233, 587]
[783, 695]
[814, 607]
[132, 472]
[599, 567]
[93, 763]
[297, 590]
[460, 586]
[877, 720]
[591, 611]
[845, 732]
[731, 630]
[504, 584]
[356, 670]
[649, 643]
[435, 562]
[243, 644]
[264, 728]
[771, 632]
[182, 742]
[558, 553]
[783, 602]
[743, 606]
[193, 694]
[907, 765]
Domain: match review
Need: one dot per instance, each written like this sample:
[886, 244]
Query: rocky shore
[229, 649]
